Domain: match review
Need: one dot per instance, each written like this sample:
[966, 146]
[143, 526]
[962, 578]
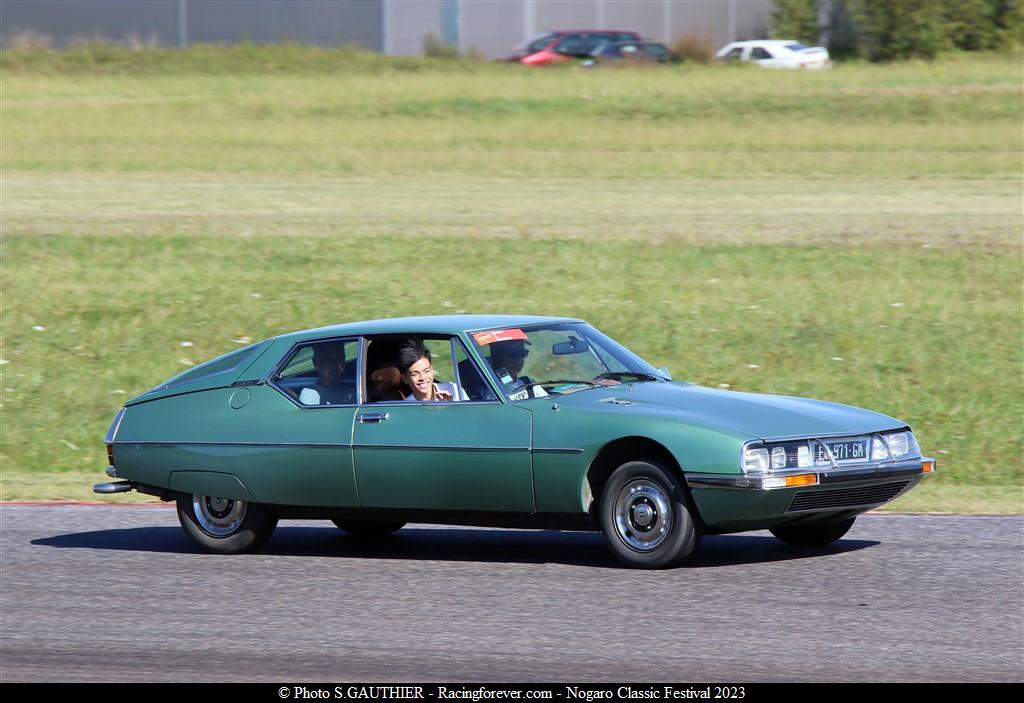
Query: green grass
[816, 321]
[867, 251]
[956, 120]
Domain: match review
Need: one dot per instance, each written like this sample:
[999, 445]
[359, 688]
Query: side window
[469, 376]
[757, 53]
[441, 359]
[575, 45]
[321, 373]
[385, 381]
[734, 54]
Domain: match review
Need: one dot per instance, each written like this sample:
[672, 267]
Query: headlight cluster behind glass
[780, 455]
[902, 445]
[777, 456]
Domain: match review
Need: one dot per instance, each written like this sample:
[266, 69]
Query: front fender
[567, 440]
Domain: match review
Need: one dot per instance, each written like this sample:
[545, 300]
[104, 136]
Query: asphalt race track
[118, 593]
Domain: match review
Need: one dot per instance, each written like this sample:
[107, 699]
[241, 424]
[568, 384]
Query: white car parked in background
[776, 53]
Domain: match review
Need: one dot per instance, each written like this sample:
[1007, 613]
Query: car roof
[632, 42]
[764, 42]
[594, 31]
[435, 324]
[561, 33]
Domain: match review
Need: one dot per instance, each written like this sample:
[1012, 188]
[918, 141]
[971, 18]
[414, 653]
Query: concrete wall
[408, 22]
[305, 21]
[493, 27]
[64, 20]
[325, 22]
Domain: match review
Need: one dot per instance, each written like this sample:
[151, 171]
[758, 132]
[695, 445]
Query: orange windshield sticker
[485, 338]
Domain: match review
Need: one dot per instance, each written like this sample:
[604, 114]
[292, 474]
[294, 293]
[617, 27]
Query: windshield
[538, 43]
[542, 360]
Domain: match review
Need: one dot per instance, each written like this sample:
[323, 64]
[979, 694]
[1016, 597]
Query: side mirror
[664, 372]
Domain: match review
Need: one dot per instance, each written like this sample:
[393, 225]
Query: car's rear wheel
[223, 525]
[646, 516]
[368, 529]
[813, 535]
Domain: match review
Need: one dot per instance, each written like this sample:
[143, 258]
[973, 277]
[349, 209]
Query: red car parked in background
[556, 47]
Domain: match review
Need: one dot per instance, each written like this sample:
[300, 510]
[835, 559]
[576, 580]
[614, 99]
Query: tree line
[887, 30]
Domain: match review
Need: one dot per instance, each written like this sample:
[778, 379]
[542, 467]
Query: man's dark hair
[330, 353]
[411, 352]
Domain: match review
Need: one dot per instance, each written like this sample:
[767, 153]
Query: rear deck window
[231, 362]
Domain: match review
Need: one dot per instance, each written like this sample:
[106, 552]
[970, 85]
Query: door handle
[373, 417]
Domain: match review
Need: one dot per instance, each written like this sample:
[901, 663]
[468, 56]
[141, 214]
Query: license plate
[845, 450]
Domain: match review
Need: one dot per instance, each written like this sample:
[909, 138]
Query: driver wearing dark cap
[507, 360]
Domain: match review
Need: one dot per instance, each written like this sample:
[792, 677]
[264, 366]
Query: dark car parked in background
[631, 51]
[556, 47]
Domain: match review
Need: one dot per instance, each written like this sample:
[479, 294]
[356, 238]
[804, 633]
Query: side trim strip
[549, 450]
[236, 444]
[440, 448]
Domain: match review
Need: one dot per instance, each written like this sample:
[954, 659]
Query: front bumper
[745, 501]
[824, 475]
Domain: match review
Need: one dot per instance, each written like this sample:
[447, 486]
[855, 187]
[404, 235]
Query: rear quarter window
[321, 373]
[229, 363]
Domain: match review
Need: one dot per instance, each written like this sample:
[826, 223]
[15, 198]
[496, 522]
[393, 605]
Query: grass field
[853, 235]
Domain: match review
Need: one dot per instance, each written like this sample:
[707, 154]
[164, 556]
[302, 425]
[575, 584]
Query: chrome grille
[845, 497]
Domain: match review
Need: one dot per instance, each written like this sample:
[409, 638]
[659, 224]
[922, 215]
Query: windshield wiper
[619, 375]
[557, 381]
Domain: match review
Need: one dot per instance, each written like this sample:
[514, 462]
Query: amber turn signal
[928, 467]
[802, 480]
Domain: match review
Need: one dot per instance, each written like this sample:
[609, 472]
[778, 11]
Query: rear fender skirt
[210, 483]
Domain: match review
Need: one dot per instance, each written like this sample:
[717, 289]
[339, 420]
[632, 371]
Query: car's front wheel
[813, 535]
[367, 529]
[223, 525]
[646, 516]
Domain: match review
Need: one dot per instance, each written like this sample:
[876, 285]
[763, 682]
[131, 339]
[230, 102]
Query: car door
[463, 455]
[303, 418]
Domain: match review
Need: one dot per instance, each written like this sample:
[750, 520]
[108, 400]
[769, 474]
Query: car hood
[755, 414]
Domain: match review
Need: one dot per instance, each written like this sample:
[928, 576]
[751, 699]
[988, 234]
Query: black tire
[225, 526]
[814, 534]
[647, 518]
[367, 529]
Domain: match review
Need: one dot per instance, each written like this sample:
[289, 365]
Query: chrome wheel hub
[218, 516]
[643, 514]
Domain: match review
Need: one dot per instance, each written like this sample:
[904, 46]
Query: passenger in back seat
[330, 389]
[414, 362]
